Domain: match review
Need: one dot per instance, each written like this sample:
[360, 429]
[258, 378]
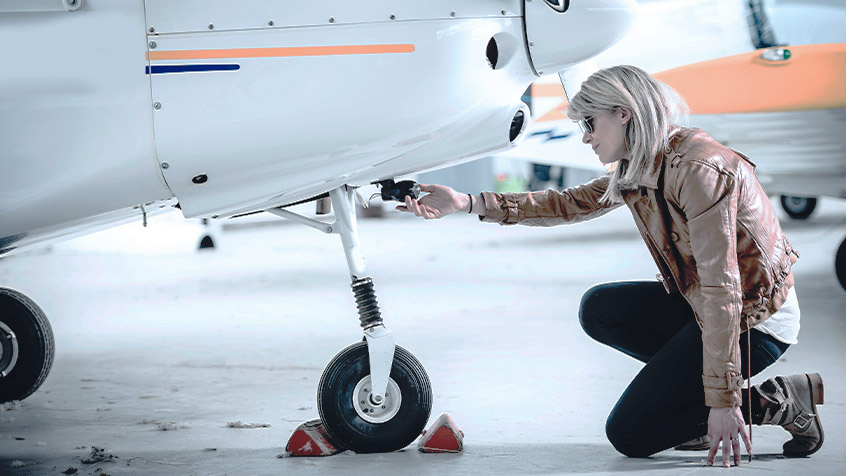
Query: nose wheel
[355, 420]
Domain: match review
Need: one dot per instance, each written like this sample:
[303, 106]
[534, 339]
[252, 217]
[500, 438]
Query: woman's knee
[590, 308]
[623, 437]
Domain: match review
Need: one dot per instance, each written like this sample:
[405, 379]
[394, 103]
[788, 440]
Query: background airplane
[767, 78]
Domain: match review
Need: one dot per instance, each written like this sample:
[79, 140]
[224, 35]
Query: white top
[784, 324]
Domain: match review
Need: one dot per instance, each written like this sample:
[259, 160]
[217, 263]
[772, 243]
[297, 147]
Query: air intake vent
[492, 53]
[517, 126]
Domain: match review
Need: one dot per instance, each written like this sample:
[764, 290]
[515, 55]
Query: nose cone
[558, 40]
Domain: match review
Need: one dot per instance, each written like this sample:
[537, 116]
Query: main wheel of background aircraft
[798, 208]
[206, 243]
[26, 346]
[354, 421]
[840, 264]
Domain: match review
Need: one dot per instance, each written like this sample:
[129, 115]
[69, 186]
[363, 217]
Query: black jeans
[665, 403]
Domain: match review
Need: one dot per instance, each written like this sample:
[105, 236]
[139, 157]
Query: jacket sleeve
[707, 194]
[549, 207]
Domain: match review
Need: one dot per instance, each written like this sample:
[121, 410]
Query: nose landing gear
[374, 396]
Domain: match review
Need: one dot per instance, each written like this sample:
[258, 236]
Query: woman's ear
[625, 115]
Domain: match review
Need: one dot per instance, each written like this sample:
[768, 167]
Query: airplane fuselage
[116, 109]
[113, 109]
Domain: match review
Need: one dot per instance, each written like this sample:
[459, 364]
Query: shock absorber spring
[365, 300]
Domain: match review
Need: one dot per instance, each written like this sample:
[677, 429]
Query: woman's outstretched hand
[727, 424]
[439, 202]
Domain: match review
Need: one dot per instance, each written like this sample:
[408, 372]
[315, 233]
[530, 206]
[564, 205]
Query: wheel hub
[797, 204]
[370, 410]
[8, 350]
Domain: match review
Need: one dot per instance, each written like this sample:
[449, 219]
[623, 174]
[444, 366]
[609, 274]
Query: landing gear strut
[373, 396]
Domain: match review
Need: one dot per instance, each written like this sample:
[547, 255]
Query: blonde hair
[656, 109]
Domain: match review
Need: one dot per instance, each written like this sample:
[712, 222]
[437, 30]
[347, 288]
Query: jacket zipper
[777, 281]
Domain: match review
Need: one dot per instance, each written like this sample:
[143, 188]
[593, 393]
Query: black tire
[345, 423]
[798, 208]
[206, 242]
[32, 336]
[840, 264]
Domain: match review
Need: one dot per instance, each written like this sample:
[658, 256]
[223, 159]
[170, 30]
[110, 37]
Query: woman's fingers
[712, 451]
[436, 204]
[730, 447]
[715, 444]
[735, 448]
[432, 212]
[413, 206]
[725, 425]
[726, 450]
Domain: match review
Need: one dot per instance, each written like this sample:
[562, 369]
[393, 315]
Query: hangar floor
[156, 337]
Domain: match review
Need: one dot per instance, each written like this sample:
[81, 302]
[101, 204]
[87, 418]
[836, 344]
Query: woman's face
[608, 136]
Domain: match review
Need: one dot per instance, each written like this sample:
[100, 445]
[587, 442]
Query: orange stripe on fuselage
[280, 52]
[813, 78]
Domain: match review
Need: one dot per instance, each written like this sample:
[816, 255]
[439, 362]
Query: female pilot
[724, 306]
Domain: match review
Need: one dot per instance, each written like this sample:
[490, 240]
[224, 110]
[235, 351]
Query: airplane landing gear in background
[374, 396]
[840, 264]
[208, 239]
[798, 208]
[26, 346]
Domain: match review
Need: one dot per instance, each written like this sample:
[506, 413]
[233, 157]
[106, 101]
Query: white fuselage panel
[305, 109]
[76, 126]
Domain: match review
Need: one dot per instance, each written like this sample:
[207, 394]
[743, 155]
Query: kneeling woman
[724, 307]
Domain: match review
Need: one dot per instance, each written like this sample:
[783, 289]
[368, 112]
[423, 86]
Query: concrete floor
[153, 336]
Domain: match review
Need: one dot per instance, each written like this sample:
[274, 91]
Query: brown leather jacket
[712, 231]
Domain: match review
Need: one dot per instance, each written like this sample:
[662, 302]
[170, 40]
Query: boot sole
[816, 383]
[697, 444]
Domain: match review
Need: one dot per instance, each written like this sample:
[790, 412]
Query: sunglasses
[586, 125]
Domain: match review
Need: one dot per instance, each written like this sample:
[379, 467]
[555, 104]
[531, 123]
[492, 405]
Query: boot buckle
[801, 422]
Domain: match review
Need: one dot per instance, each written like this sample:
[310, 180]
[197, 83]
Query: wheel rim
[8, 350]
[370, 411]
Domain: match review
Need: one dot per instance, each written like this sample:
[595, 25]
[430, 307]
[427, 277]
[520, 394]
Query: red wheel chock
[311, 439]
[443, 436]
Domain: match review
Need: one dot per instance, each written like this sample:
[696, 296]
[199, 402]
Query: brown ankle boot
[793, 406]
